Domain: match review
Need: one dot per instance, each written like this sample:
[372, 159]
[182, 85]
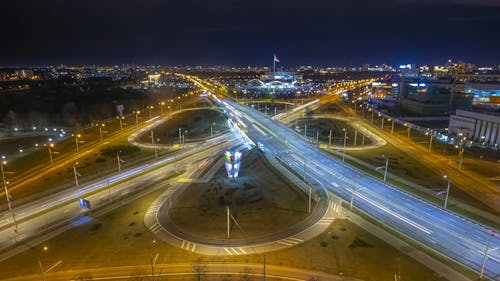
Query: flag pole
[274, 64]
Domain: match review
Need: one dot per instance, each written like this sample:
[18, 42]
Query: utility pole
[392, 127]
[383, 118]
[305, 131]
[317, 137]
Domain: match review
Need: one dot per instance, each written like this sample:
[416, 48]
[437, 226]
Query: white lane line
[407, 220]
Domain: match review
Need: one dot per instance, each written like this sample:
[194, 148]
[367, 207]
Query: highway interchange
[444, 232]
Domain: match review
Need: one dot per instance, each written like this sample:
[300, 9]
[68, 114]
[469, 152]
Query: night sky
[247, 32]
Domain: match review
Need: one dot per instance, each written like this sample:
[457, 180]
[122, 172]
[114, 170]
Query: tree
[199, 267]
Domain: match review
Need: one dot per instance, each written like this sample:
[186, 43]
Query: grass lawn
[260, 200]
[120, 238]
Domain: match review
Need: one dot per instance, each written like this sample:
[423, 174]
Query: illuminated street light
[100, 130]
[137, 112]
[447, 191]
[150, 107]
[50, 146]
[42, 271]
[8, 196]
[77, 136]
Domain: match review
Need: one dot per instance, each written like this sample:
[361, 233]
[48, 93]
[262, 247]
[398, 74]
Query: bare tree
[199, 267]
[245, 274]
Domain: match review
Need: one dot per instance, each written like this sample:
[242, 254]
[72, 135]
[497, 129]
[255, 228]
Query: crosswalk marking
[228, 251]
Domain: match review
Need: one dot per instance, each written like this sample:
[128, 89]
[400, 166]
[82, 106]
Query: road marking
[236, 252]
[194, 247]
[243, 251]
[228, 251]
[284, 243]
[182, 245]
[155, 228]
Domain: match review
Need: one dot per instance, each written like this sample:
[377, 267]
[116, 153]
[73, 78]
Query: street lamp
[137, 112]
[392, 126]
[153, 143]
[77, 136]
[51, 145]
[485, 258]
[7, 195]
[430, 142]
[44, 249]
[100, 130]
[120, 118]
[212, 130]
[460, 155]
[345, 142]
[161, 107]
[447, 191]
[150, 107]
[76, 174]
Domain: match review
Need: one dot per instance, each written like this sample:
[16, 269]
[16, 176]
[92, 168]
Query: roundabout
[261, 218]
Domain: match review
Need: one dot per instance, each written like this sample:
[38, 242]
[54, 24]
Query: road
[62, 207]
[213, 271]
[445, 232]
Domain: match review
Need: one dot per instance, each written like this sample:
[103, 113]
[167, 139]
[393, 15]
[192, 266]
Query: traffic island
[258, 212]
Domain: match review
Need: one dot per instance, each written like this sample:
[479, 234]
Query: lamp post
[7, 195]
[180, 136]
[485, 257]
[447, 191]
[120, 119]
[212, 130]
[386, 167]
[162, 104]
[44, 249]
[76, 174]
[137, 112]
[51, 145]
[383, 118]
[100, 130]
[150, 108]
[392, 126]
[430, 143]
[77, 136]
[153, 143]
[345, 142]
